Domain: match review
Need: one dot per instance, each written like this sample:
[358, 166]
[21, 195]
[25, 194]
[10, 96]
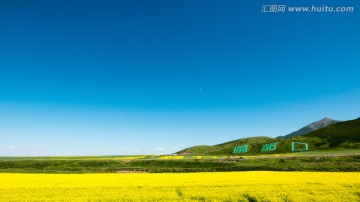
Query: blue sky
[135, 77]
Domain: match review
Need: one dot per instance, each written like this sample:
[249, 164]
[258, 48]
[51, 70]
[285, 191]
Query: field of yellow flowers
[220, 186]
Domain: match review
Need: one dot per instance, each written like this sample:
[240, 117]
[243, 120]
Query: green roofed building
[241, 149]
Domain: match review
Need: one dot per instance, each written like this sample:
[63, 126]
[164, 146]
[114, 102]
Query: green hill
[342, 134]
[339, 135]
[226, 147]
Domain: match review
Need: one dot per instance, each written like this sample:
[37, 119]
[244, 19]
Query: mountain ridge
[311, 127]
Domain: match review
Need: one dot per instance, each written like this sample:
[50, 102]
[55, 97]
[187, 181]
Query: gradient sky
[146, 77]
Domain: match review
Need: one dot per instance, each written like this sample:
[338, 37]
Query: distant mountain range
[311, 127]
[320, 135]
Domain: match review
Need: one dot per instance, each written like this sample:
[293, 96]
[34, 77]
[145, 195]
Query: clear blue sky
[135, 77]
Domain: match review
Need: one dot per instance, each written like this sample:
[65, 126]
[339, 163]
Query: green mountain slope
[227, 147]
[339, 135]
[342, 134]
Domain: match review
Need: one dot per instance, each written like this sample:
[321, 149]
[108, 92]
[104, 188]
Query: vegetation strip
[321, 162]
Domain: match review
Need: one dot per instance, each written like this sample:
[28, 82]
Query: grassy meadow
[336, 160]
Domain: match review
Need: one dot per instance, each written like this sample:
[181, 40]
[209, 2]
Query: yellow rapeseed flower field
[219, 186]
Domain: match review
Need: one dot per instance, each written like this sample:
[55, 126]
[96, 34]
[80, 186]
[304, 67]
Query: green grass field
[330, 160]
[162, 157]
